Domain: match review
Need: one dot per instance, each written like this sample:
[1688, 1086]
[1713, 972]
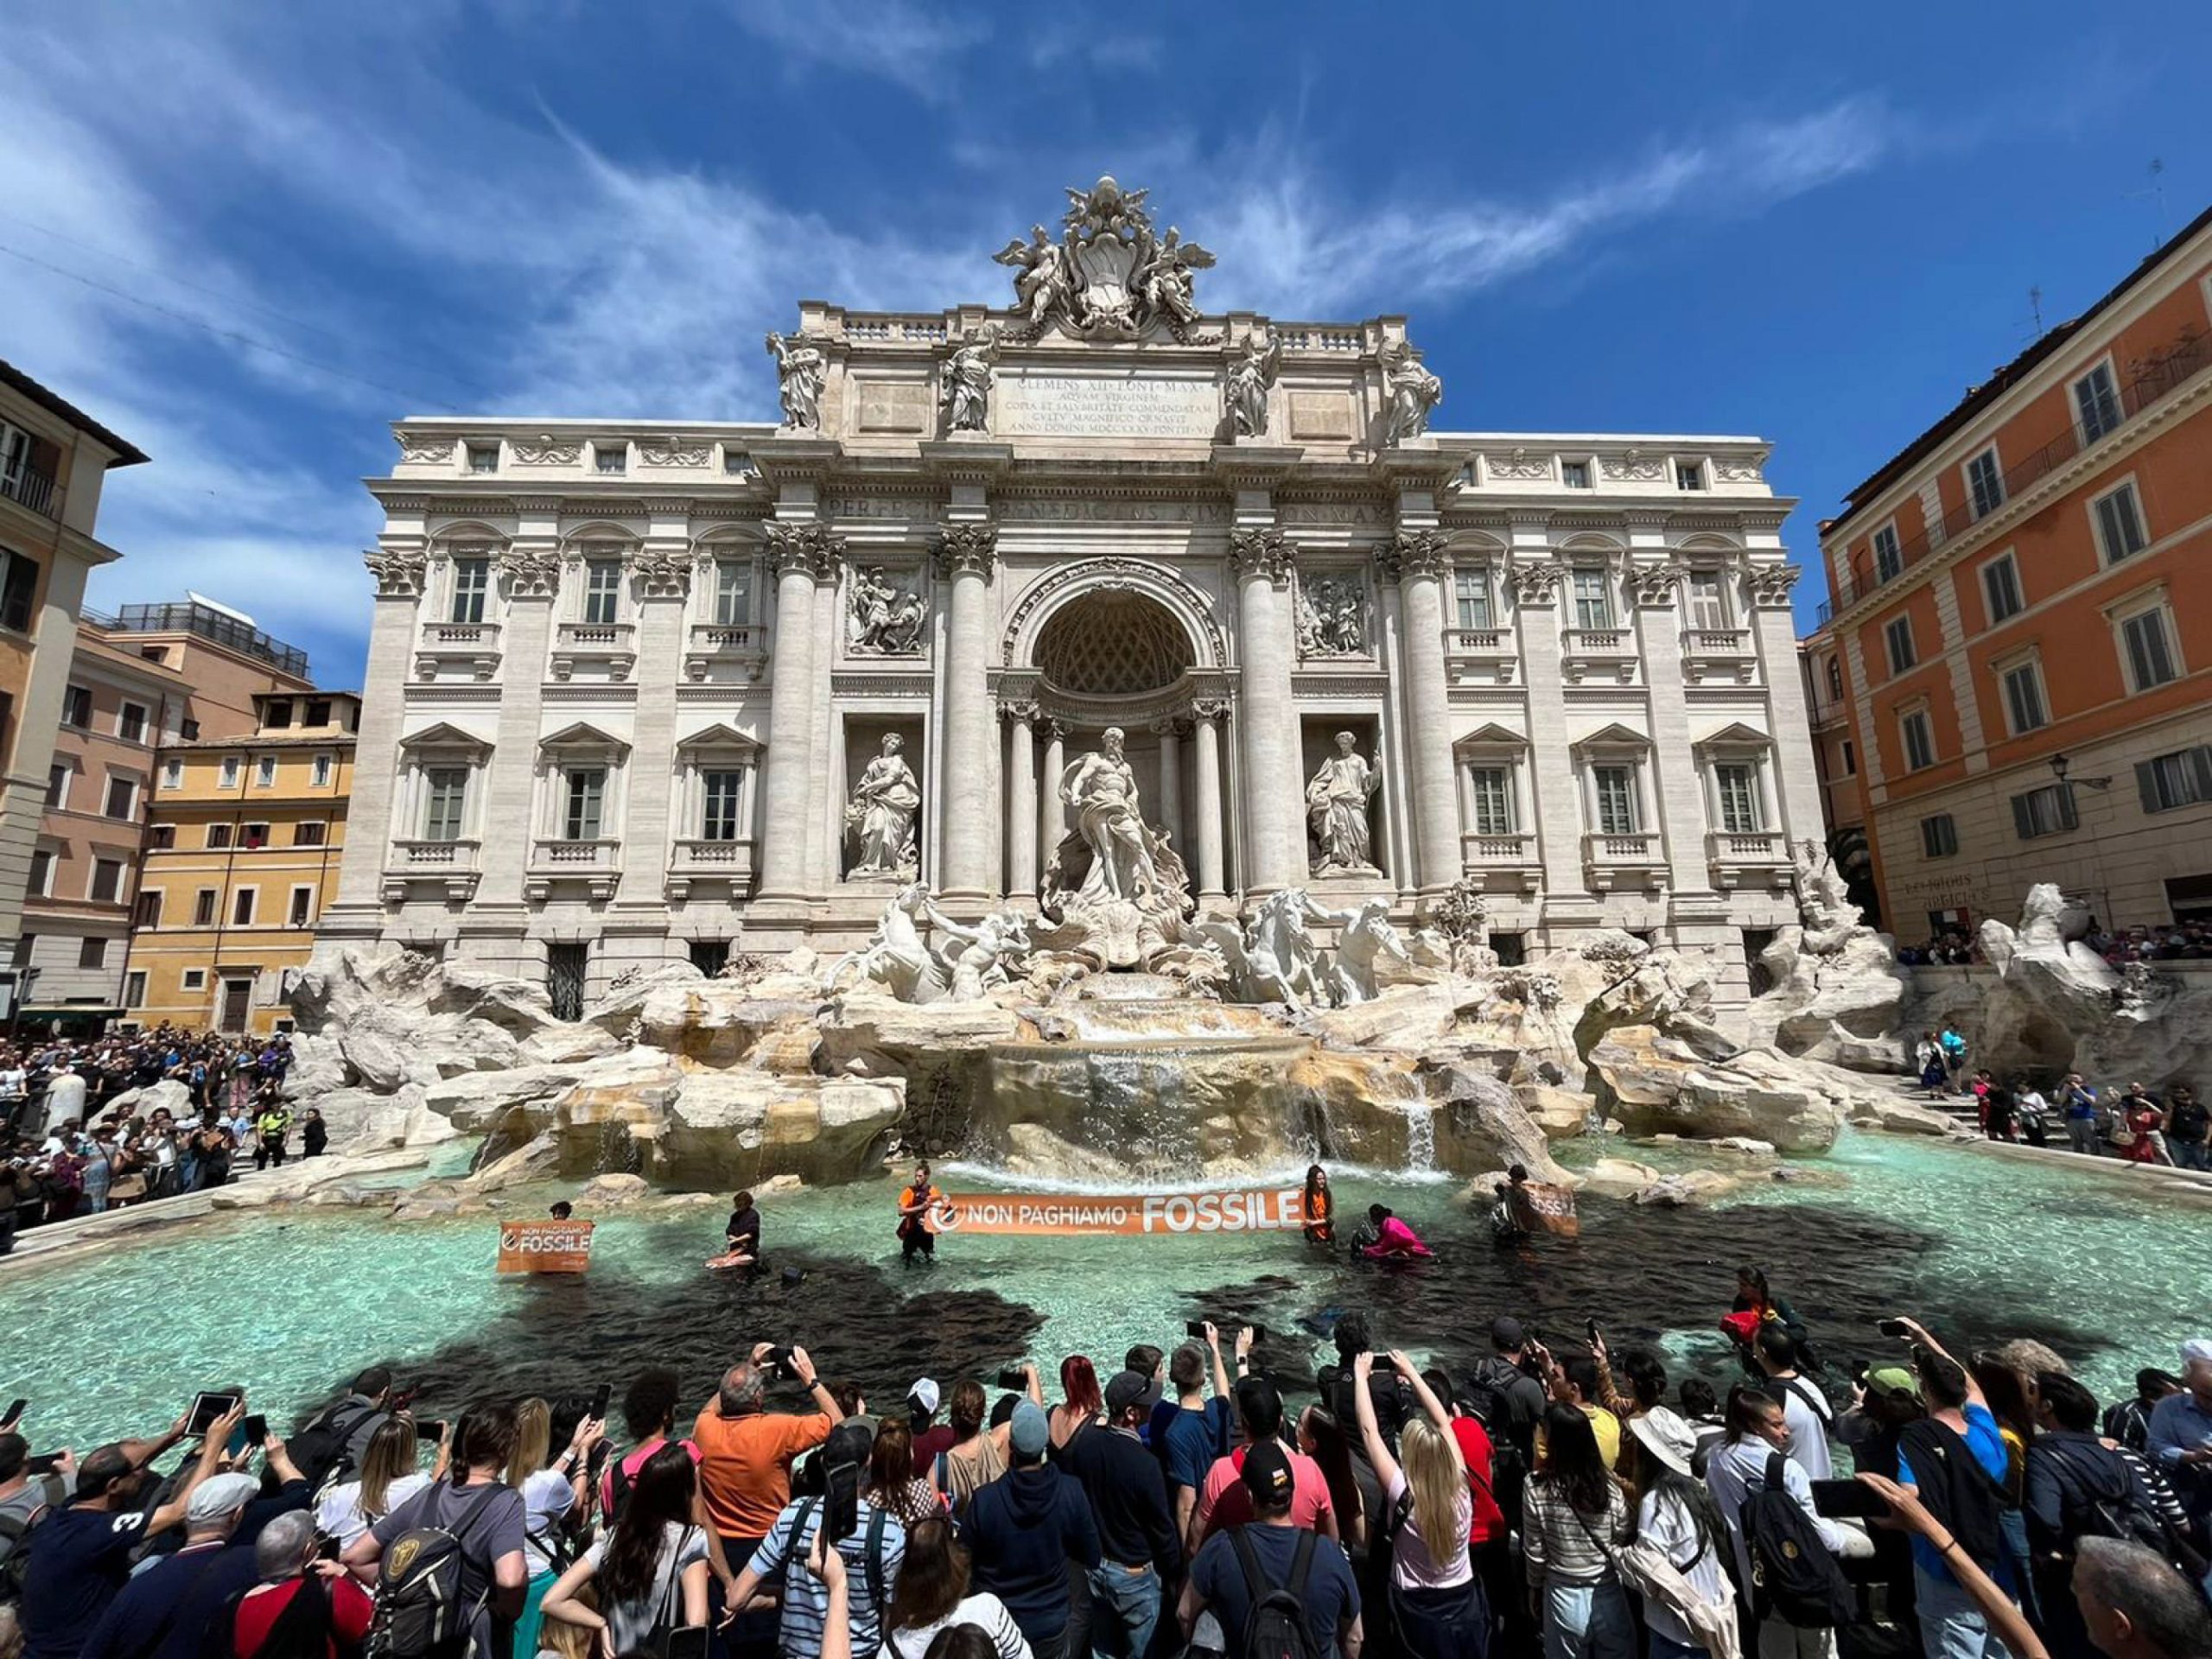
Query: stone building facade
[632, 688]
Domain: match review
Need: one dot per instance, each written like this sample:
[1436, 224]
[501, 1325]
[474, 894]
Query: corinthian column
[1207, 735]
[1170, 813]
[1055, 760]
[797, 553]
[1275, 837]
[968, 863]
[1022, 803]
[1420, 555]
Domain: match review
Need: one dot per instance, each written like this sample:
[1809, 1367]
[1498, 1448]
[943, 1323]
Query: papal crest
[1109, 275]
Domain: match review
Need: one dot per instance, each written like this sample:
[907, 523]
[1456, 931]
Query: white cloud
[909, 45]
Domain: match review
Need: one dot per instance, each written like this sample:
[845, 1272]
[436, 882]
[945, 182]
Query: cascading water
[1421, 1136]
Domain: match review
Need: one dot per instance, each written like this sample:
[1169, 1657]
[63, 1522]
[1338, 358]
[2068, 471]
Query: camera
[779, 1360]
[1013, 1377]
[1893, 1328]
[794, 1277]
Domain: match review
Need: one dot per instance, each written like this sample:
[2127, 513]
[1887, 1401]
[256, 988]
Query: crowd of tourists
[90, 1127]
[2172, 1127]
[1556, 1498]
[1954, 947]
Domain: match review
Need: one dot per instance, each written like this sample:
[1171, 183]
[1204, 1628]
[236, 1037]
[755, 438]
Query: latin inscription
[1063, 406]
[893, 406]
[1320, 414]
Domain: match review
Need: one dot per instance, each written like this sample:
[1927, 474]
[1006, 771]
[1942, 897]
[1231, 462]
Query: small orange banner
[1271, 1211]
[1539, 1207]
[544, 1246]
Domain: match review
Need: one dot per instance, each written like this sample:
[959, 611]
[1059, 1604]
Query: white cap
[2197, 1348]
[924, 1394]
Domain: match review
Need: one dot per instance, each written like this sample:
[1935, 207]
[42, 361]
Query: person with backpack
[1956, 1461]
[1436, 1601]
[1028, 1531]
[650, 1571]
[871, 1552]
[2009, 1626]
[1222, 1503]
[556, 1492]
[335, 1441]
[2077, 1488]
[649, 1406]
[1676, 1517]
[1278, 1590]
[1795, 1595]
[457, 1551]
[1572, 1514]
[303, 1607]
[1804, 1408]
[168, 1604]
[1138, 1547]
[25, 1500]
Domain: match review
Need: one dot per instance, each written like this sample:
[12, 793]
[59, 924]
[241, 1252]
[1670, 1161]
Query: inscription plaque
[1320, 415]
[894, 406]
[1067, 405]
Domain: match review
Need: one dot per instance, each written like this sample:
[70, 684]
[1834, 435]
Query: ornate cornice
[967, 549]
[663, 574]
[1654, 585]
[1262, 550]
[1415, 553]
[1534, 582]
[398, 575]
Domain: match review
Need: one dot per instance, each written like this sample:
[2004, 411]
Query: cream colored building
[624, 677]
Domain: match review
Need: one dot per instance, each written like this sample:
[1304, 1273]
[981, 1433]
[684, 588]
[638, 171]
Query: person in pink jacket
[1392, 1237]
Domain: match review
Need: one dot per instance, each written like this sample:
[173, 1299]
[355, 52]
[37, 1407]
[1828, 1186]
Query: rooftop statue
[1414, 393]
[800, 370]
[1108, 276]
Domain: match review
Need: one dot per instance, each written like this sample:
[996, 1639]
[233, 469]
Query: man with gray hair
[309, 1602]
[2136, 1607]
[746, 1451]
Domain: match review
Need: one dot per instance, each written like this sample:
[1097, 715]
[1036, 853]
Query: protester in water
[1319, 1207]
[915, 1238]
[1385, 1237]
[741, 1233]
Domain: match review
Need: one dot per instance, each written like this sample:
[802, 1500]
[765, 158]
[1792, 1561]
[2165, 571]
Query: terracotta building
[140, 682]
[53, 458]
[2021, 627]
[242, 857]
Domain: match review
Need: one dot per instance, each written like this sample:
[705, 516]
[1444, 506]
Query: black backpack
[1275, 1628]
[1956, 1489]
[425, 1601]
[14, 1541]
[2110, 1511]
[1793, 1576]
[318, 1450]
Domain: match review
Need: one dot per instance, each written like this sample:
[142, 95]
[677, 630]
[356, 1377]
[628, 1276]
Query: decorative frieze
[545, 450]
[674, 452]
[424, 448]
[1518, 466]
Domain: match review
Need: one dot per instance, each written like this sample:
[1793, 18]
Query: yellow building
[244, 843]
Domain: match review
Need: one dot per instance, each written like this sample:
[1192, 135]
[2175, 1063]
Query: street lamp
[2059, 767]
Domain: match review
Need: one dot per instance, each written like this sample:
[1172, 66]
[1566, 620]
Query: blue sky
[248, 236]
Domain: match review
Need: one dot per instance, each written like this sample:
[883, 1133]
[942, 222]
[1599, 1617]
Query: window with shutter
[1472, 590]
[2150, 650]
[1493, 793]
[2119, 525]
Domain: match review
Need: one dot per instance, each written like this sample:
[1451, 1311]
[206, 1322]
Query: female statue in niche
[1336, 805]
[885, 805]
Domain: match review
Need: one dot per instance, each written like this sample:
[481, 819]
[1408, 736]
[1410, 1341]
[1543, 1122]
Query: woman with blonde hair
[388, 1479]
[551, 1493]
[1428, 1510]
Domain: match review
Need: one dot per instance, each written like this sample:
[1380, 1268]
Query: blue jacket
[1023, 1529]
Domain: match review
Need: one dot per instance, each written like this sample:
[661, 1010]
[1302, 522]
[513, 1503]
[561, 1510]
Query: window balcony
[1629, 861]
[1502, 864]
[1718, 653]
[1490, 655]
[1749, 858]
[608, 645]
[727, 863]
[1609, 653]
[596, 863]
[32, 488]
[472, 647]
[455, 865]
[726, 644]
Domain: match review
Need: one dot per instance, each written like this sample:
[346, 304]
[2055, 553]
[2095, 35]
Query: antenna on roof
[2157, 193]
[2035, 306]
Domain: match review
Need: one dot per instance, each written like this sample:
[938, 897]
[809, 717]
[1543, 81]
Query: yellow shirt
[1604, 1425]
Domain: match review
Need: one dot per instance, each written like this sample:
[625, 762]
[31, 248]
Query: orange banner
[1270, 1210]
[544, 1246]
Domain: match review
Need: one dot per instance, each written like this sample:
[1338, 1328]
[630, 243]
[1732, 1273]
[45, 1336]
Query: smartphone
[841, 1516]
[205, 1409]
[688, 1642]
[1258, 1333]
[1848, 1500]
[45, 1464]
[1594, 1338]
[779, 1361]
[606, 1392]
[1893, 1327]
[1011, 1378]
[250, 1433]
[1859, 1376]
[432, 1432]
[1196, 1328]
[14, 1414]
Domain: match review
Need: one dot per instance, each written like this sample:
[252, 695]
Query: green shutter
[2023, 823]
[2146, 783]
[2200, 773]
[2067, 819]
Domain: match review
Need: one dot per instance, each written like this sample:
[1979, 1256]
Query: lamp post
[2062, 769]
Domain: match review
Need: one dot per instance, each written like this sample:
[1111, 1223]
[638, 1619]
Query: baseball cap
[923, 1395]
[1506, 1334]
[849, 1443]
[1124, 1389]
[1031, 1432]
[218, 1495]
[1896, 1381]
[1266, 1475]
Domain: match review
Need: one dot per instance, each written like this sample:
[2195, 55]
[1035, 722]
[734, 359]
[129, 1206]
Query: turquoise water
[1979, 1246]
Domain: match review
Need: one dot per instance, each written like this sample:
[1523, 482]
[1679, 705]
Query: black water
[1640, 1272]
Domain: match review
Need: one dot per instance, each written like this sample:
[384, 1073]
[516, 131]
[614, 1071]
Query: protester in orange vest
[1320, 1207]
[914, 1205]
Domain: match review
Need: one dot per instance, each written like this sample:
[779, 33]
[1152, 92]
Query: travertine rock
[1617, 1177]
[1654, 1083]
[1898, 1116]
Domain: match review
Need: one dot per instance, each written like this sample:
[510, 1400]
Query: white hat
[2197, 1348]
[1667, 1437]
[924, 1394]
[218, 1495]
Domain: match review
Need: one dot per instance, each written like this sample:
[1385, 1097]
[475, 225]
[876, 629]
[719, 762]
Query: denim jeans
[1587, 1621]
[2191, 1154]
[2082, 1132]
[1952, 1626]
[1124, 1608]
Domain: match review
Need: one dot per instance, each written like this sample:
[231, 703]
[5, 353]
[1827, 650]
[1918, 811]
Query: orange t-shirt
[745, 1465]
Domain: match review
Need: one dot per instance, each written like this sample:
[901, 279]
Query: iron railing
[32, 487]
[210, 624]
[2155, 379]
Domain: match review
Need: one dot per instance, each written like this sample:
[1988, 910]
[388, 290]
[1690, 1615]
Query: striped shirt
[806, 1598]
[1563, 1543]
